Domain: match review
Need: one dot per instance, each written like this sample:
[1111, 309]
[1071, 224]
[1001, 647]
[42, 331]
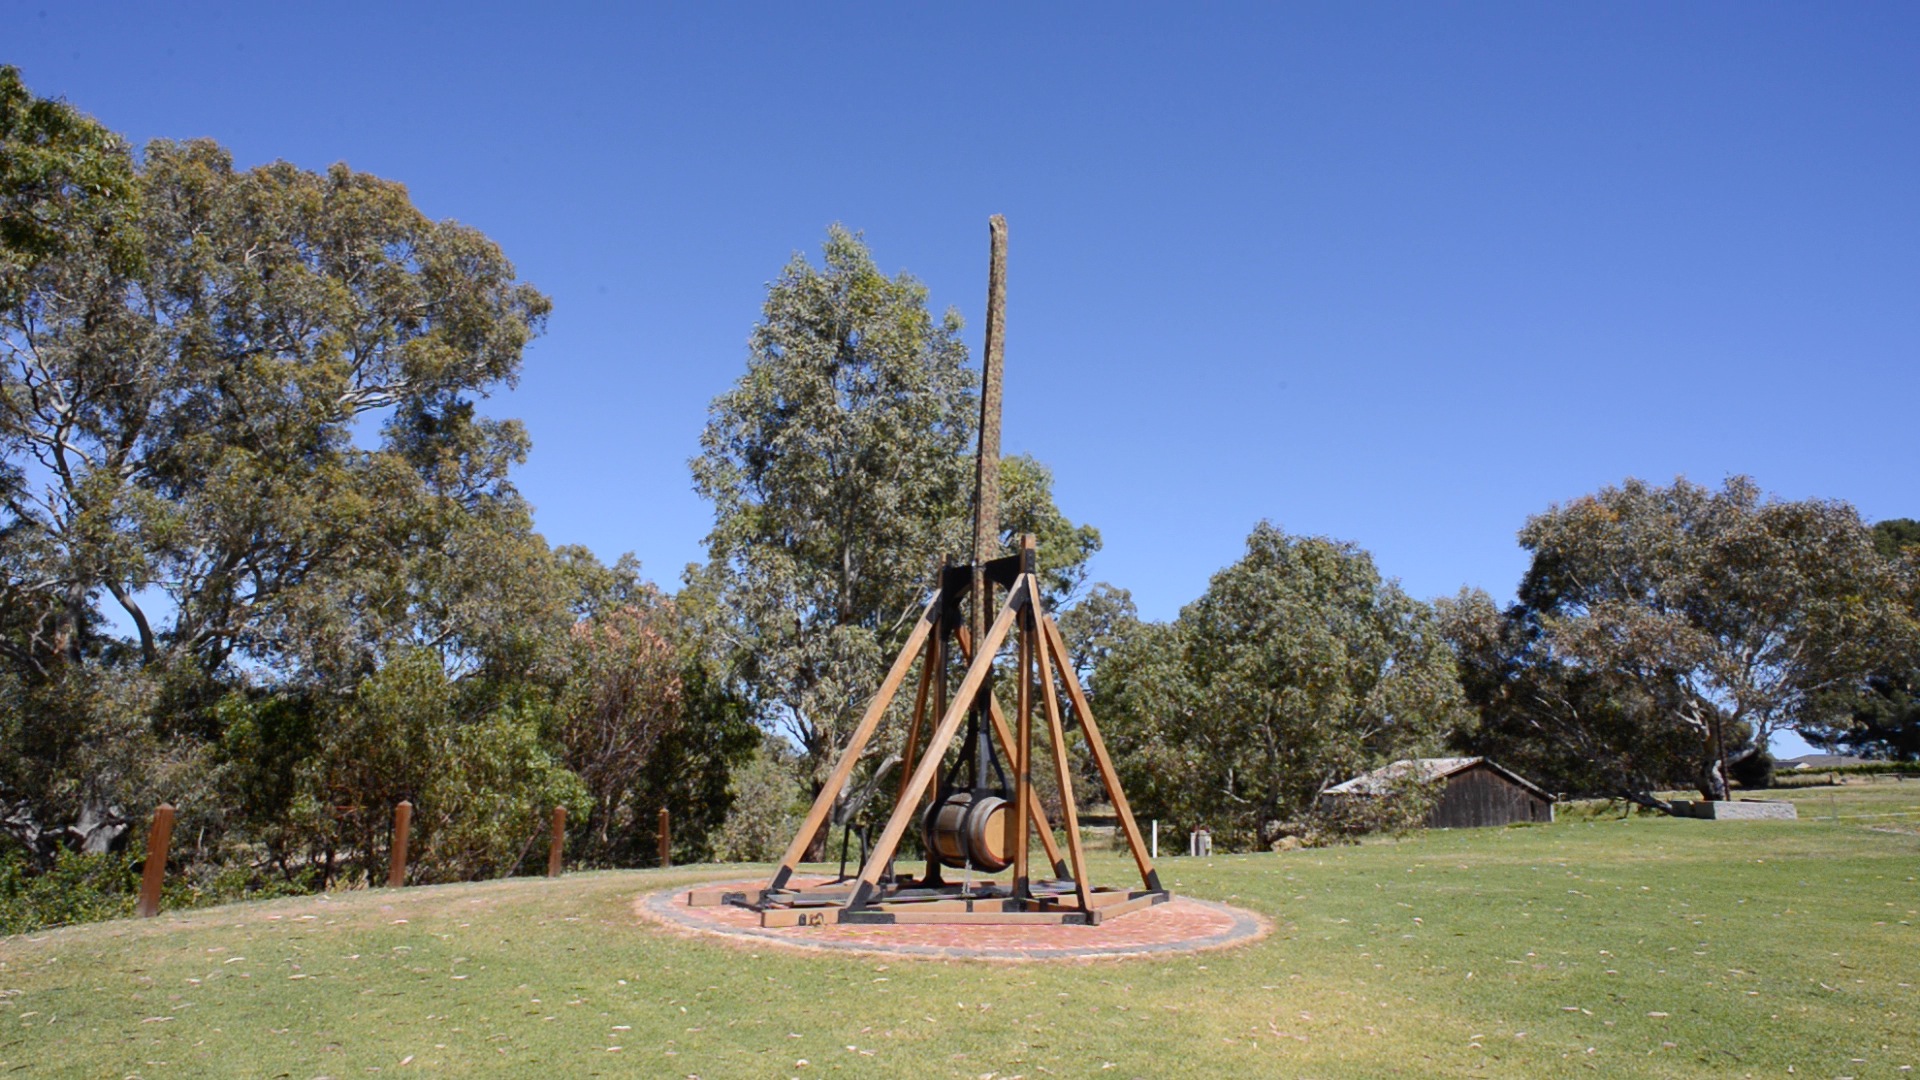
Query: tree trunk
[1647, 799]
[1713, 782]
[817, 847]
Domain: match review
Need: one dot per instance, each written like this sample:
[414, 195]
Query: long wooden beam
[1097, 746]
[986, 476]
[927, 660]
[937, 744]
[876, 709]
[1023, 749]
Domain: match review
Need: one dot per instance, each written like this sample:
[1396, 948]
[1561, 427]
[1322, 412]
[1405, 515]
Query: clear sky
[1398, 274]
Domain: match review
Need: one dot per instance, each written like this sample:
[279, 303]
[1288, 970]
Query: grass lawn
[1636, 946]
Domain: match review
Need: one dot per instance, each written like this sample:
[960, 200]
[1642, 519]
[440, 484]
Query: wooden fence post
[156, 869]
[666, 858]
[402, 821]
[555, 850]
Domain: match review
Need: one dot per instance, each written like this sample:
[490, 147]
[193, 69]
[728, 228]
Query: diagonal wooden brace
[1057, 733]
[936, 749]
[1097, 747]
[910, 758]
[876, 709]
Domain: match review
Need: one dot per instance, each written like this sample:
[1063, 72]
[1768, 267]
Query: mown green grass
[1620, 946]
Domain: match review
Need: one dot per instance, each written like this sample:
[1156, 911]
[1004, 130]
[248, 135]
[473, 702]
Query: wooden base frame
[876, 895]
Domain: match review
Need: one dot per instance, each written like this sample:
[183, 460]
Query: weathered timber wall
[1481, 796]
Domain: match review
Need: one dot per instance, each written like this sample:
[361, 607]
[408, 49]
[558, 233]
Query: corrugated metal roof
[1819, 761]
[1382, 779]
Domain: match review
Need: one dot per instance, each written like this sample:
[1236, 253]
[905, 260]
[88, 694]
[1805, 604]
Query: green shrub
[487, 803]
[77, 888]
[1754, 771]
[1401, 807]
[766, 808]
[83, 888]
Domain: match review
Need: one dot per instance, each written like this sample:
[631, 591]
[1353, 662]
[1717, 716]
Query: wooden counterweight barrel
[961, 830]
[990, 834]
[946, 829]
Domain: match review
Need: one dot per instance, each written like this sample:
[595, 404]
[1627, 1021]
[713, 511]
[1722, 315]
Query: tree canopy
[189, 356]
[1881, 718]
[1298, 668]
[1661, 631]
[1895, 537]
[260, 550]
[839, 470]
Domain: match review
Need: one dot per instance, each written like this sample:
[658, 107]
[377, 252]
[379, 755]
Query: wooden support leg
[1058, 732]
[1005, 736]
[876, 709]
[931, 876]
[1022, 759]
[1098, 748]
[937, 744]
[927, 660]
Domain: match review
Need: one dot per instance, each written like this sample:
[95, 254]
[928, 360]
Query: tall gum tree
[1661, 632]
[1299, 667]
[1881, 719]
[183, 427]
[839, 467]
[187, 351]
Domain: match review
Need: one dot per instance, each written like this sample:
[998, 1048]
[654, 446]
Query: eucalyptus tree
[1895, 537]
[1881, 718]
[67, 195]
[1299, 667]
[839, 467]
[1662, 632]
[1027, 507]
[835, 465]
[184, 428]
[1095, 625]
[1548, 714]
[239, 436]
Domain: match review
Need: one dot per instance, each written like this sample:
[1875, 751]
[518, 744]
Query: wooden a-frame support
[874, 895]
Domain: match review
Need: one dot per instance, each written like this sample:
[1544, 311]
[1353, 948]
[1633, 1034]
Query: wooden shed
[1478, 792]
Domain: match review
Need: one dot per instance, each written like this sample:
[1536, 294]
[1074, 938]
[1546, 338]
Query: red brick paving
[1182, 925]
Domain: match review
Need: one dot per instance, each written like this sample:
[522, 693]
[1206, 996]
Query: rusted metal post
[558, 847]
[154, 875]
[402, 822]
[666, 859]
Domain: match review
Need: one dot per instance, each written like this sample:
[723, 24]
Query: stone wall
[1738, 810]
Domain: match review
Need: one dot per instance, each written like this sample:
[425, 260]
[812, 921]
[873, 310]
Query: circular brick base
[1182, 925]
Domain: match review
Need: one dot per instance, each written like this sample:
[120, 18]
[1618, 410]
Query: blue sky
[1396, 274]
